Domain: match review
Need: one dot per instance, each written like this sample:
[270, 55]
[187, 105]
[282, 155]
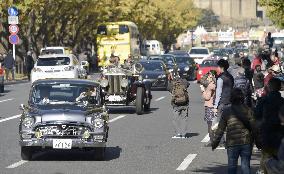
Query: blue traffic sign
[14, 39]
[13, 11]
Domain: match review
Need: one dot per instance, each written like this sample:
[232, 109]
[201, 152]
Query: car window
[186, 60]
[152, 66]
[209, 63]
[44, 94]
[199, 51]
[53, 61]
[52, 51]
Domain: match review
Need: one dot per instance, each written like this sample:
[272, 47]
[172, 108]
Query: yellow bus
[117, 38]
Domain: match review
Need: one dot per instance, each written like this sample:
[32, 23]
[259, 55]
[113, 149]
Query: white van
[55, 50]
[152, 47]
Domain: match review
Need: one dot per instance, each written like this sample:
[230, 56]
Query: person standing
[29, 64]
[269, 127]
[180, 104]
[224, 86]
[238, 121]
[269, 40]
[208, 95]
[275, 165]
[9, 64]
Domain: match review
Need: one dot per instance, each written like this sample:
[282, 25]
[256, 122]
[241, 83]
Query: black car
[64, 114]
[186, 67]
[156, 72]
[170, 62]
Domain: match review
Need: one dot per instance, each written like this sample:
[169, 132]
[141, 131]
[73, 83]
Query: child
[208, 95]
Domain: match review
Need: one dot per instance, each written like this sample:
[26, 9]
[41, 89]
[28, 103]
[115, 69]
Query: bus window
[123, 29]
[102, 29]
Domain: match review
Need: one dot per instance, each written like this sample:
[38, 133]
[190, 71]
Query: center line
[17, 164]
[116, 118]
[1, 101]
[186, 162]
[161, 98]
[10, 118]
[206, 139]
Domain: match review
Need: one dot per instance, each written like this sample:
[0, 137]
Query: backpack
[241, 82]
[179, 93]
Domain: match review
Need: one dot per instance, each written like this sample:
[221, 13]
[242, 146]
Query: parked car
[125, 87]
[64, 114]
[1, 79]
[187, 68]
[57, 66]
[199, 54]
[155, 72]
[206, 66]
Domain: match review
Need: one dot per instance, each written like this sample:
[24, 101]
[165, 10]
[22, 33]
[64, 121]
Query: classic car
[124, 86]
[64, 114]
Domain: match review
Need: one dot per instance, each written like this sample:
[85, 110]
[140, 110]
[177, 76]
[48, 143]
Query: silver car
[64, 114]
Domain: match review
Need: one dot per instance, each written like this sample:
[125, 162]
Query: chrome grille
[114, 84]
[61, 130]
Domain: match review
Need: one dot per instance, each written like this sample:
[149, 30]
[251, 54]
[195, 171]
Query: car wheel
[100, 153]
[26, 153]
[140, 100]
[2, 89]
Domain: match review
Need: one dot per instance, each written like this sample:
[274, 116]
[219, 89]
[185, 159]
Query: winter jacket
[209, 95]
[276, 165]
[9, 61]
[237, 133]
[266, 114]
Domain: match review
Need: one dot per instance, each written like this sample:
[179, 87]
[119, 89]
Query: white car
[199, 54]
[56, 66]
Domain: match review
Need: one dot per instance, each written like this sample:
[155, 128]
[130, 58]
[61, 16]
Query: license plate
[62, 144]
[114, 98]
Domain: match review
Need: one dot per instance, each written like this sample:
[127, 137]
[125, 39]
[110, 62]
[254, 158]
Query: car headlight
[104, 83]
[98, 123]
[186, 68]
[124, 83]
[28, 122]
[162, 76]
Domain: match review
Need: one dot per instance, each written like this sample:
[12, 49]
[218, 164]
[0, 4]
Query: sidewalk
[19, 78]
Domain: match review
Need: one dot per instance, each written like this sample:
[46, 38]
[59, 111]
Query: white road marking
[186, 162]
[206, 139]
[161, 98]
[223, 148]
[10, 118]
[1, 101]
[116, 118]
[17, 164]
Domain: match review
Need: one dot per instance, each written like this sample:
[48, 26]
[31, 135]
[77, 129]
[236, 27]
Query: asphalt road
[137, 144]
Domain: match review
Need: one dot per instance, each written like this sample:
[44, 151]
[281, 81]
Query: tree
[275, 11]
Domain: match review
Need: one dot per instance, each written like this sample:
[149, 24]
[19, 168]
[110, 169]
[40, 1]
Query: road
[137, 144]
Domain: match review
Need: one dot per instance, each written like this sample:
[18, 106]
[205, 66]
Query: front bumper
[76, 142]
[42, 75]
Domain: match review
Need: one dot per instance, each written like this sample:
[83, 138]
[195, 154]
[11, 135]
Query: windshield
[209, 63]
[53, 61]
[152, 66]
[52, 51]
[199, 51]
[168, 59]
[186, 60]
[64, 93]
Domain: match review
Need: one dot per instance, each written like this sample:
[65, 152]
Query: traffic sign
[13, 29]
[13, 11]
[14, 39]
[13, 20]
